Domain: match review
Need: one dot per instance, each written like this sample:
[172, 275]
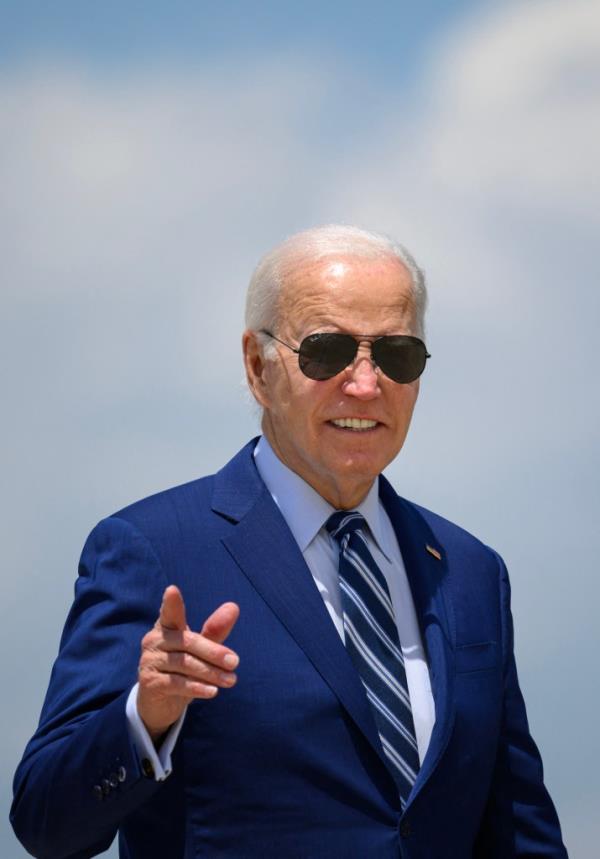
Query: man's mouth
[356, 424]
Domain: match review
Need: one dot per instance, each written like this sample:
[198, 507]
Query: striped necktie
[373, 644]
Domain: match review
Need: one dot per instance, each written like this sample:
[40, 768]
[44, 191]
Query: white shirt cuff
[160, 759]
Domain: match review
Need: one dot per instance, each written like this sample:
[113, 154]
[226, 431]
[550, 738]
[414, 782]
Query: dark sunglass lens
[400, 357]
[322, 356]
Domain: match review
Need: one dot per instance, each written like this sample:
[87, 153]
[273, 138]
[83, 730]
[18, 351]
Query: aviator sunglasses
[323, 355]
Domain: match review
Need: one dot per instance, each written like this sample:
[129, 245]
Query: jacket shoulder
[189, 502]
[168, 506]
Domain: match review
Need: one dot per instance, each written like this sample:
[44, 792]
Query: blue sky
[385, 38]
[150, 153]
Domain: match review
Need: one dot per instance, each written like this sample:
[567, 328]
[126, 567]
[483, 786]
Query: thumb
[220, 623]
[172, 610]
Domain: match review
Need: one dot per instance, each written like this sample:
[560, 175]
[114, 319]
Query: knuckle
[144, 676]
[190, 641]
[143, 664]
[173, 660]
[212, 652]
[173, 681]
[192, 666]
[181, 661]
[189, 662]
[150, 640]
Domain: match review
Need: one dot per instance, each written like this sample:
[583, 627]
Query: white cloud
[506, 141]
[518, 98]
[116, 183]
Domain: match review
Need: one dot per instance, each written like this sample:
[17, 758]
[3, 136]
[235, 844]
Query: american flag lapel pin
[433, 552]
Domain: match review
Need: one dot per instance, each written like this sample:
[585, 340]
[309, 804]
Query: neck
[341, 494]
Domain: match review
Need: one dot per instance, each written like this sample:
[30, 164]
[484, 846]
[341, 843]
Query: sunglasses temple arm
[283, 343]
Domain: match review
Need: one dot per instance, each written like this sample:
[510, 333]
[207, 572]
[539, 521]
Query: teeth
[354, 423]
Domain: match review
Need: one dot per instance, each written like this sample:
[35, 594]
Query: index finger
[172, 609]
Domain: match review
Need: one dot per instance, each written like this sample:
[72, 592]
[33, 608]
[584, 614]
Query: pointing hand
[178, 665]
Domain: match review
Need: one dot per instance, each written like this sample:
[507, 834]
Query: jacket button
[147, 768]
[121, 774]
[98, 792]
[405, 829]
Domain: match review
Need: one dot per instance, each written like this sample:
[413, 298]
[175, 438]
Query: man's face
[354, 296]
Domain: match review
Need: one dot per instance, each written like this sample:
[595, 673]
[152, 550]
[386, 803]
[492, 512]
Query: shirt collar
[304, 510]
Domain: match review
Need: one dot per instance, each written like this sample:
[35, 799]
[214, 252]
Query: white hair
[264, 290]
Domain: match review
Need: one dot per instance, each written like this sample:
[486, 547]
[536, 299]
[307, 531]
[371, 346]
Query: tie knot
[344, 522]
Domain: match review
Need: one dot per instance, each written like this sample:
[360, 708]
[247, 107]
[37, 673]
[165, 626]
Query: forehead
[352, 293]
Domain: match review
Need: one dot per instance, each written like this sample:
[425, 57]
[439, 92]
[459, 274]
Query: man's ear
[255, 366]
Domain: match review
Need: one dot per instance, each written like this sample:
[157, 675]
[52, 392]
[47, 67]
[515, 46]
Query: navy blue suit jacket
[288, 763]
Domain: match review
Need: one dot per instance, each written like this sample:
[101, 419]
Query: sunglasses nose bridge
[363, 352]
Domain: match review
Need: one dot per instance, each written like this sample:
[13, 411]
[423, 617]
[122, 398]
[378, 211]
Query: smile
[356, 424]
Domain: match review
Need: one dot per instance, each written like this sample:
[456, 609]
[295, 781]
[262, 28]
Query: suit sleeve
[80, 776]
[520, 819]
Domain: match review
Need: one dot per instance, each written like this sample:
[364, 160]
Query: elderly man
[376, 710]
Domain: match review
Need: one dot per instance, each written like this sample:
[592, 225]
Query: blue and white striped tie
[373, 643]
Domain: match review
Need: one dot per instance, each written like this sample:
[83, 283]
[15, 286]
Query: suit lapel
[278, 572]
[427, 572]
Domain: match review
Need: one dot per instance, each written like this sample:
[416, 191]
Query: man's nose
[363, 381]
